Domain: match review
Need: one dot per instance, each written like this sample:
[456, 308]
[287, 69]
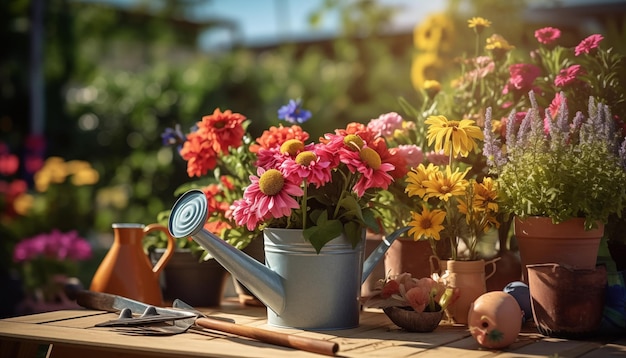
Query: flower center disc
[306, 158]
[369, 156]
[353, 141]
[271, 182]
[292, 147]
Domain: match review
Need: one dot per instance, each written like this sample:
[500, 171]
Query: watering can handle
[169, 251]
[379, 252]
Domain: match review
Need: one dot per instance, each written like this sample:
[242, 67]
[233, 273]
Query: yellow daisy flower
[416, 177]
[478, 24]
[486, 195]
[458, 137]
[444, 185]
[427, 224]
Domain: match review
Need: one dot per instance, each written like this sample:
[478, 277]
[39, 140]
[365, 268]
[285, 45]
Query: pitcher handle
[169, 251]
[493, 265]
[431, 259]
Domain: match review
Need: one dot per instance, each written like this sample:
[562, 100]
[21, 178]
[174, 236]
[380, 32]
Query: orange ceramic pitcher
[126, 269]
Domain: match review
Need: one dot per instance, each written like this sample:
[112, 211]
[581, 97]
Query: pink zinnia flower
[567, 75]
[588, 44]
[271, 194]
[555, 104]
[244, 214]
[547, 35]
[310, 166]
[374, 173]
[386, 124]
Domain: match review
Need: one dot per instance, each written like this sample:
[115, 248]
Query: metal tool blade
[180, 304]
[115, 303]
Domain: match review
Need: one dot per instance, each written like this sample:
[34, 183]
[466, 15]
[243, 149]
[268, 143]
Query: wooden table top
[70, 333]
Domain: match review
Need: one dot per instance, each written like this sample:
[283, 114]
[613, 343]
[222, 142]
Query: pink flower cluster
[522, 75]
[417, 293]
[55, 245]
[286, 170]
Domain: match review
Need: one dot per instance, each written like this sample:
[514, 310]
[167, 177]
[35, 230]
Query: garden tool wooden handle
[302, 343]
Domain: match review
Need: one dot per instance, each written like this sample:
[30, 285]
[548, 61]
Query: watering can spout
[187, 219]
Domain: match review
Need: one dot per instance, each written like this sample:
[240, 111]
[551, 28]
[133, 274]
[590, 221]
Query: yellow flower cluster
[452, 206]
[56, 170]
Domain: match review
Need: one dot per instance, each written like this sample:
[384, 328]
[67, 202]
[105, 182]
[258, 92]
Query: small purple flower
[293, 112]
[173, 136]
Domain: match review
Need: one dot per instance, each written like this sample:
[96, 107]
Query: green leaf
[322, 233]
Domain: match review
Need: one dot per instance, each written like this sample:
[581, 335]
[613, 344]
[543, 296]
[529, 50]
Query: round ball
[495, 319]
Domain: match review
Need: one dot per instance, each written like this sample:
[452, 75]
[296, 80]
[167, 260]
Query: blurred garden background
[93, 84]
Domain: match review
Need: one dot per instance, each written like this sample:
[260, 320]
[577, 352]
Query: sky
[268, 21]
[265, 21]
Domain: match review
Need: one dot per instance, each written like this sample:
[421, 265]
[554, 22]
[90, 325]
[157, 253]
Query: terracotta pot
[407, 255]
[197, 283]
[495, 319]
[412, 321]
[568, 243]
[469, 278]
[567, 303]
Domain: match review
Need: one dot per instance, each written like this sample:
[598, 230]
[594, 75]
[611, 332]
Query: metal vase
[322, 290]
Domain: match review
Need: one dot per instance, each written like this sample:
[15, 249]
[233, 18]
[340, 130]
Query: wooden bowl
[412, 321]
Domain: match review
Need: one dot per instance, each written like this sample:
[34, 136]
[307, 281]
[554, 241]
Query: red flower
[216, 133]
[276, 136]
[588, 44]
[547, 35]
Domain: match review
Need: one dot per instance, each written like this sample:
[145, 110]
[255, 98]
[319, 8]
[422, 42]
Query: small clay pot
[567, 303]
[495, 319]
[413, 321]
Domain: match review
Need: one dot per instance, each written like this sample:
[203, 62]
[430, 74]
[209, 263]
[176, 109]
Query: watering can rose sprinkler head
[187, 219]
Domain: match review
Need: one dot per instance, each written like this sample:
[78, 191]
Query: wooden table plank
[72, 333]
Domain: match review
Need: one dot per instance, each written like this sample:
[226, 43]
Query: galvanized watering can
[300, 288]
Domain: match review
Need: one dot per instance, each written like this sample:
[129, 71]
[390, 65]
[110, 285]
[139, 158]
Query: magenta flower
[522, 77]
[55, 245]
[588, 44]
[567, 75]
[547, 35]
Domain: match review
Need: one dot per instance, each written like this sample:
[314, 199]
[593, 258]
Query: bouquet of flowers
[282, 180]
[325, 188]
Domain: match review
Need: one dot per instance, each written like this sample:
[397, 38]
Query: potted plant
[416, 305]
[559, 171]
[455, 208]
